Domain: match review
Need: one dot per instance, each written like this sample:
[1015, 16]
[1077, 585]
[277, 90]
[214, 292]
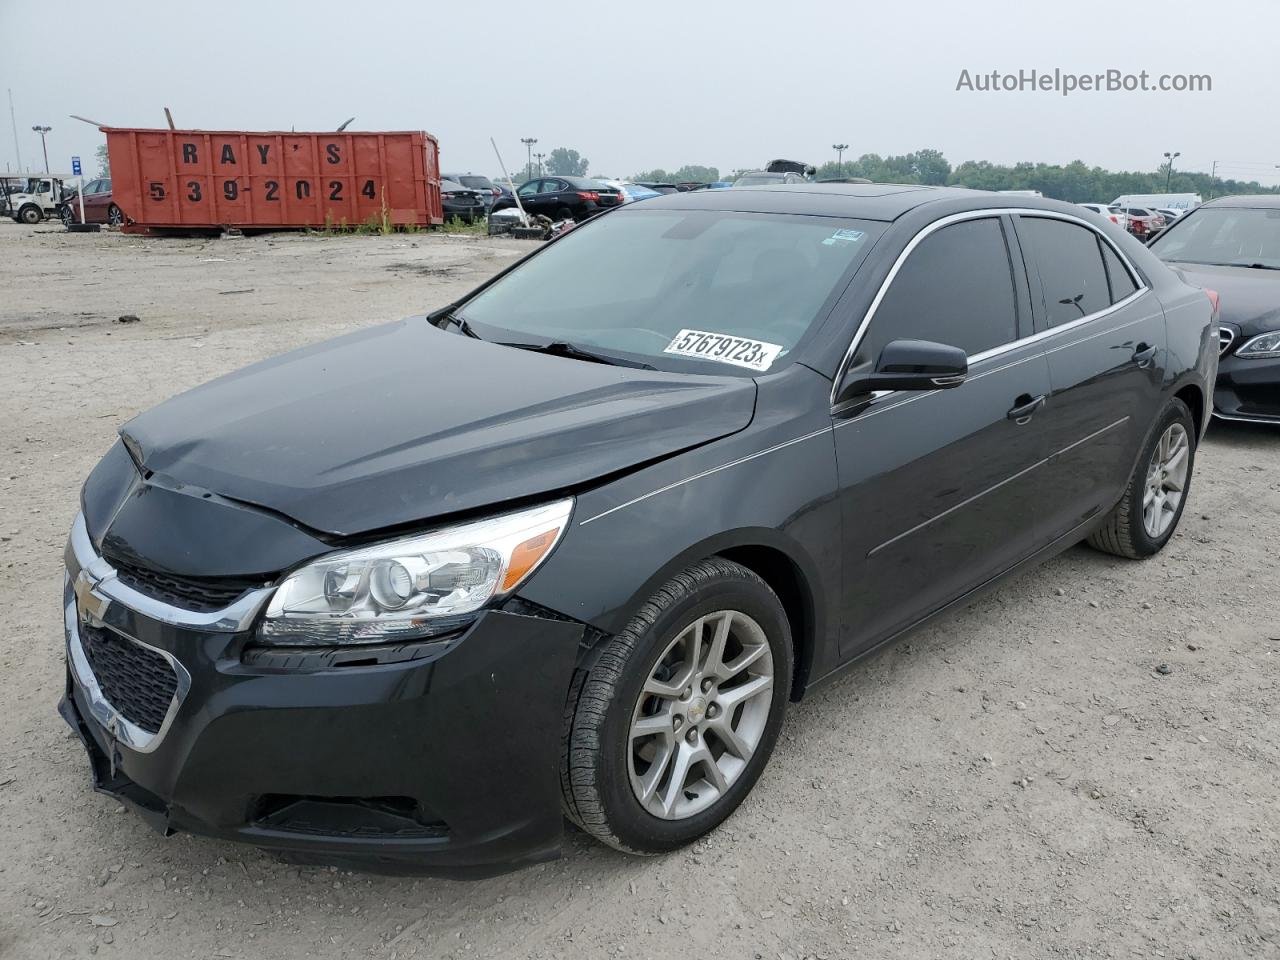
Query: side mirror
[909, 365]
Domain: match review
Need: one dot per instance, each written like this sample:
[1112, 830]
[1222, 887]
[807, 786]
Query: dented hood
[404, 423]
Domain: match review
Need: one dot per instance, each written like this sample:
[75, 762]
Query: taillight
[1213, 300]
[591, 195]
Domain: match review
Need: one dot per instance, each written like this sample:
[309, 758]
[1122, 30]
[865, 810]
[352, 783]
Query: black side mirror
[909, 365]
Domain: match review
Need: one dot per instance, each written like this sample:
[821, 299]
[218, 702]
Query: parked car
[98, 205]
[298, 617]
[632, 192]
[463, 203]
[477, 182]
[562, 198]
[658, 187]
[1169, 214]
[763, 178]
[1102, 210]
[1233, 246]
[1142, 222]
[719, 184]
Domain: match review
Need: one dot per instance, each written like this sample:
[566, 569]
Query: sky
[661, 84]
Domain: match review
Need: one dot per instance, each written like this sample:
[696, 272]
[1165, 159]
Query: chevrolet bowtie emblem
[91, 607]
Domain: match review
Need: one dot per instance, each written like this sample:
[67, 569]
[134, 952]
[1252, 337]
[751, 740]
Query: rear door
[1104, 334]
[940, 489]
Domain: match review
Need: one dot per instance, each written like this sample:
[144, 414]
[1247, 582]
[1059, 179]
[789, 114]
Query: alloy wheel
[701, 715]
[114, 216]
[1166, 481]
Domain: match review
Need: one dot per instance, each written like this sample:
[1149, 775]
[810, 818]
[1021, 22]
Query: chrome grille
[1226, 337]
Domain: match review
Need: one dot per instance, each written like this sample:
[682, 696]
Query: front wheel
[30, 215]
[1147, 515]
[670, 728]
[115, 216]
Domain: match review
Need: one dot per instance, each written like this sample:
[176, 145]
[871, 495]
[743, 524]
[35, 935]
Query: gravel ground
[1017, 780]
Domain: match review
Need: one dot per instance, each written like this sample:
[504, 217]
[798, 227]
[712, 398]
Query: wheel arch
[1192, 395]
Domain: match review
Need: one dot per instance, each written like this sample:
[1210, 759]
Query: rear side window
[1118, 275]
[956, 288]
[1072, 277]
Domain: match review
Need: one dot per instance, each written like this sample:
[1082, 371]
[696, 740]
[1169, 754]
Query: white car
[1115, 216]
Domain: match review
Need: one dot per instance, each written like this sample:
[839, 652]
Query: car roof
[1268, 200]
[861, 201]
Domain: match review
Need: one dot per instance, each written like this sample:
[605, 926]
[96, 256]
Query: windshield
[639, 283]
[755, 179]
[1235, 236]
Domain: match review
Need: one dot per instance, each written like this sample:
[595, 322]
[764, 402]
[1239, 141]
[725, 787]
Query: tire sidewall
[1175, 412]
[632, 824]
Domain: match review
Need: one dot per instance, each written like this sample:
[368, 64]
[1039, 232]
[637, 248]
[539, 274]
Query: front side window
[956, 287]
[529, 189]
[1223, 236]
[1072, 277]
[630, 282]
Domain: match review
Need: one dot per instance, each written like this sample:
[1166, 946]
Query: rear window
[476, 183]
[1072, 276]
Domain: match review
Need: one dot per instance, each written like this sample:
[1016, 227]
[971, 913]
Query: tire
[603, 767]
[564, 213]
[115, 216]
[68, 218]
[30, 215]
[1126, 532]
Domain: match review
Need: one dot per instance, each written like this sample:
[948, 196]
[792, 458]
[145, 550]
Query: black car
[570, 545]
[564, 198]
[478, 182]
[1232, 245]
[463, 203]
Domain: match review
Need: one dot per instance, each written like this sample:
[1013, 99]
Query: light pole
[839, 148]
[528, 146]
[539, 157]
[43, 146]
[1168, 168]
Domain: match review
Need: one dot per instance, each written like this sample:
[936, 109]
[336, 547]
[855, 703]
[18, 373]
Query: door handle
[1144, 354]
[1025, 406]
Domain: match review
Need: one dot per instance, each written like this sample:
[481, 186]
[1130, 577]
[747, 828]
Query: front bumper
[1248, 390]
[445, 764]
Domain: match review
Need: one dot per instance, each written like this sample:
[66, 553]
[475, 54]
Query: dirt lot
[1015, 781]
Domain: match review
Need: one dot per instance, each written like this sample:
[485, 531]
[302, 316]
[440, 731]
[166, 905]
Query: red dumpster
[219, 178]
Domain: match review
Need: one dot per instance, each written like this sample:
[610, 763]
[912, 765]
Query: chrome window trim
[235, 618]
[100, 708]
[936, 225]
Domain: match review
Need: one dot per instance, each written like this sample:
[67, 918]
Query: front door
[940, 489]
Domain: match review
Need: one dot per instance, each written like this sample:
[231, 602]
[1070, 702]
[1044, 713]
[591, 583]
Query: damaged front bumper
[441, 760]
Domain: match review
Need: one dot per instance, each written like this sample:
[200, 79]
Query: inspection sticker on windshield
[723, 348]
[843, 237]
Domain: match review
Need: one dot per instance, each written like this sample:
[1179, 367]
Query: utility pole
[14, 120]
[43, 146]
[528, 146]
[539, 157]
[839, 148]
[1168, 167]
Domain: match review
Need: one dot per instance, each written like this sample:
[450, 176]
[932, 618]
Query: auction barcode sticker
[724, 348]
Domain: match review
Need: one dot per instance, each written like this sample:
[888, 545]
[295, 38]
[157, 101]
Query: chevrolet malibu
[569, 546]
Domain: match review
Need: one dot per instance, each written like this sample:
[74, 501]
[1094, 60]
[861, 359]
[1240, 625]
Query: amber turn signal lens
[526, 556]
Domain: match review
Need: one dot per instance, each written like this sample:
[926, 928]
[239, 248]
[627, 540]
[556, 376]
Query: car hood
[1250, 298]
[404, 422]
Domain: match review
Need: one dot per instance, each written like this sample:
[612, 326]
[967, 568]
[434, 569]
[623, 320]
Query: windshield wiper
[1254, 266]
[562, 348]
[463, 327]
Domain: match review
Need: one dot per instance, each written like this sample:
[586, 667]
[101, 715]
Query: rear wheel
[564, 213]
[30, 214]
[1147, 515]
[668, 731]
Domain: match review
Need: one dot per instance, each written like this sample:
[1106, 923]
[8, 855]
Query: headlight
[1262, 346]
[411, 588]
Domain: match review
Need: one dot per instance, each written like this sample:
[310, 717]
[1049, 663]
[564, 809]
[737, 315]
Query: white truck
[1182, 202]
[36, 197]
